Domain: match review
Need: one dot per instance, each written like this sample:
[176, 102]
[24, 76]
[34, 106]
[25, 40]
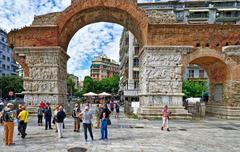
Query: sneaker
[161, 128]
[50, 128]
[18, 133]
[168, 129]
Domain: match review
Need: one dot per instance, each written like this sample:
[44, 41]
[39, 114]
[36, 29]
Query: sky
[90, 41]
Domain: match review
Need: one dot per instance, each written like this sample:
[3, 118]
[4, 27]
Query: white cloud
[90, 41]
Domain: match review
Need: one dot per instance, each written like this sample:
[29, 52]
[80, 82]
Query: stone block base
[34, 99]
[154, 112]
[225, 112]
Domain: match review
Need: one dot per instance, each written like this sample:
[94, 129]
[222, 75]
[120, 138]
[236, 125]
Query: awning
[199, 10]
[228, 9]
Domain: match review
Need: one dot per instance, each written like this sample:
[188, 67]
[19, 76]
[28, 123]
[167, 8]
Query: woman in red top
[165, 117]
[42, 105]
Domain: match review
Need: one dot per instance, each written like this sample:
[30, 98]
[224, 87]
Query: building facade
[129, 70]
[103, 67]
[186, 12]
[76, 80]
[199, 11]
[8, 66]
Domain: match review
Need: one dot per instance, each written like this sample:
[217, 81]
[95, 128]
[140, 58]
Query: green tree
[194, 88]
[110, 85]
[10, 83]
[88, 85]
[70, 85]
[78, 93]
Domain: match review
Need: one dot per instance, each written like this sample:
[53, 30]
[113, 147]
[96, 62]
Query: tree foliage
[110, 85]
[194, 88]
[70, 85]
[10, 83]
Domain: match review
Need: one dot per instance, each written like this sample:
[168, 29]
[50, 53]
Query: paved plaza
[209, 135]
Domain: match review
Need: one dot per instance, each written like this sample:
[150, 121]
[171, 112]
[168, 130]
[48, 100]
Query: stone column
[130, 62]
[46, 79]
[161, 81]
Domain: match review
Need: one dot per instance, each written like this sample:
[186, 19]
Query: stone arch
[214, 62]
[81, 13]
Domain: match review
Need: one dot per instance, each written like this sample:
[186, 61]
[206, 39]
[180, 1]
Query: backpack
[6, 116]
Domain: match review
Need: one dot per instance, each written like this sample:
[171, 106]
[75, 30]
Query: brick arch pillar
[223, 68]
[47, 74]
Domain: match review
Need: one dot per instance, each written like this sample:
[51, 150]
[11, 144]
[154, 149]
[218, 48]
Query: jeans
[89, 128]
[60, 129]
[48, 123]
[22, 128]
[104, 130]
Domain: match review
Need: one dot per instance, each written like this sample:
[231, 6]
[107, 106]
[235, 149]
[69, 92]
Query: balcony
[231, 17]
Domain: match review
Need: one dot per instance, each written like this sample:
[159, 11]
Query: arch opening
[126, 14]
[208, 74]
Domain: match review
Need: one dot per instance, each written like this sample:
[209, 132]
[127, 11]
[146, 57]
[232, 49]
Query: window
[136, 50]
[136, 84]
[8, 58]
[3, 39]
[3, 57]
[135, 75]
[201, 73]
[8, 67]
[191, 73]
[3, 66]
[3, 74]
[135, 62]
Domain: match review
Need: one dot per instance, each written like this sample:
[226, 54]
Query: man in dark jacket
[59, 121]
[48, 116]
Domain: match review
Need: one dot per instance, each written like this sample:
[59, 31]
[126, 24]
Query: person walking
[40, 111]
[117, 107]
[23, 120]
[111, 105]
[17, 119]
[97, 114]
[104, 130]
[59, 121]
[48, 116]
[8, 124]
[165, 117]
[87, 124]
[104, 116]
[75, 114]
[55, 117]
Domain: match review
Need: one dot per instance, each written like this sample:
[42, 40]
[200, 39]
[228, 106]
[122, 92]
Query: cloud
[91, 41]
[88, 42]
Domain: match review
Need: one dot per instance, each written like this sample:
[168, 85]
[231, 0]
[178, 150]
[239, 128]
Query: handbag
[109, 122]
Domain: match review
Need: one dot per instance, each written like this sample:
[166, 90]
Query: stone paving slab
[130, 135]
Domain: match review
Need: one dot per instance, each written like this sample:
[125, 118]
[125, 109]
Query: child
[165, 117]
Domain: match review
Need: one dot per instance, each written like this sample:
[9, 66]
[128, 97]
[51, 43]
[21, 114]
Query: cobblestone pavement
[131, 135]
